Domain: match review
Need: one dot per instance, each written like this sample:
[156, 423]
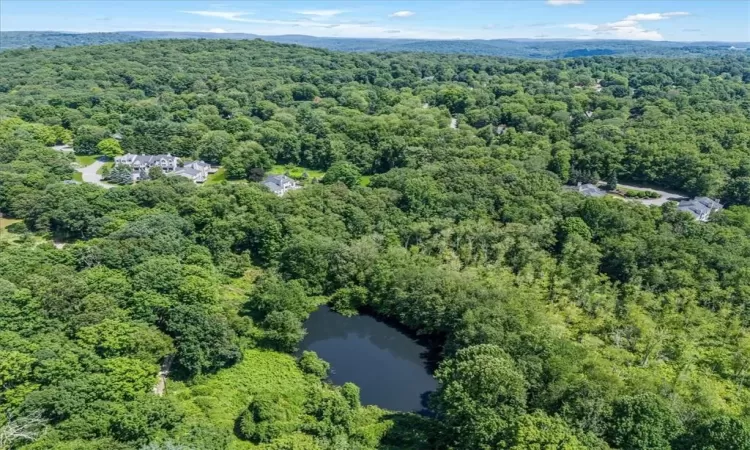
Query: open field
[5, 222]
[295, 171]
[86, 160]
[221, 398]
[218, 177]
[6, 236]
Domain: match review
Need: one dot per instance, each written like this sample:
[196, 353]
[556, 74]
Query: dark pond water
[392, 369]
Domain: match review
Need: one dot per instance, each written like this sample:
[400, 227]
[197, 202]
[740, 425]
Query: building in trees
[280, 184]
[197, 171]
[168, 163]
[194, 170]
[700, 207]
[590, 190]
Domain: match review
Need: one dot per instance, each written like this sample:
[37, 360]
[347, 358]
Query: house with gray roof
[280, 184]
[168, 163]
[700, 208]
[197, 171]
[590, 190]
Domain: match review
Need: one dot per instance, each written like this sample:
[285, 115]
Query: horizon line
[376, 38]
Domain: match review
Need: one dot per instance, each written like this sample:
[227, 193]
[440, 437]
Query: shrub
[311, 364]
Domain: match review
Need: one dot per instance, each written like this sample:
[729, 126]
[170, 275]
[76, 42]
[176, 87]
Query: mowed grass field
[86, 160]
[6, 222]
[218, 177]
[5, 236]
[295, 171]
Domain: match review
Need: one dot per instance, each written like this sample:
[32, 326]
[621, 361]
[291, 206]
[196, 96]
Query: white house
[280, 184]
[197, 171]
[168, 163]
[700, 207]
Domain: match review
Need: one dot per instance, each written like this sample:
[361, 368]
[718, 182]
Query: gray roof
[276, 183]
[145, 159]
[275, 188]
[197, 165]
[591, 190]
[187, 171]
[700, 206]
[278, 179]
[713, 204]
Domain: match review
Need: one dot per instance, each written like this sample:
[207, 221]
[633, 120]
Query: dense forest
[516, 48]
[564, 322]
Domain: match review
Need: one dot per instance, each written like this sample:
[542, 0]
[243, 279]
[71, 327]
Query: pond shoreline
[392, 365]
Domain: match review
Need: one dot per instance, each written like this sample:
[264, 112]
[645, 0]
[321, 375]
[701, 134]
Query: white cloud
[628, 28]
[228, 15]
[564, 2]
[217, 30]
[320, 12]
[583, 26]
[402, 14]
[656, 16]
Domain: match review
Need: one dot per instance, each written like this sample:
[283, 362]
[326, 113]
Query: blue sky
[692, 20]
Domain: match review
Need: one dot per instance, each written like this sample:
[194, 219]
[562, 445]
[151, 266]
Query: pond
[392, 369]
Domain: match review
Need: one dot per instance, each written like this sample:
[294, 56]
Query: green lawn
[217, 177]
[107, 165]
[6, 222]
[295, 171]
[86, 160]
[277, 169]
[5, 236]
[78, 176]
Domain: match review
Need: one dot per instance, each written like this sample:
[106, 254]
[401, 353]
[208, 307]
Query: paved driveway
[89, 175]
[665, 195]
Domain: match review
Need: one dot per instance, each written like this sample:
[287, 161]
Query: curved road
[89, 174]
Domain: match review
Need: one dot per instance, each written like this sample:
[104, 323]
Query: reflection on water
[392, 369]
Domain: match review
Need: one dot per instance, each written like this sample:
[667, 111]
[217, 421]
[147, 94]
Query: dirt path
[161, 385]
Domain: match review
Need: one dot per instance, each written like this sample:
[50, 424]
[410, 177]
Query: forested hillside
[516, 48]
[564, 321]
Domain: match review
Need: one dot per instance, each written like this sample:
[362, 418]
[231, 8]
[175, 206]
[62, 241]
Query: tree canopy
[561, 321]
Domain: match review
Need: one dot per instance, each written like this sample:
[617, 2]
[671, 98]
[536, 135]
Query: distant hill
[47, 39]
[519, 48]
